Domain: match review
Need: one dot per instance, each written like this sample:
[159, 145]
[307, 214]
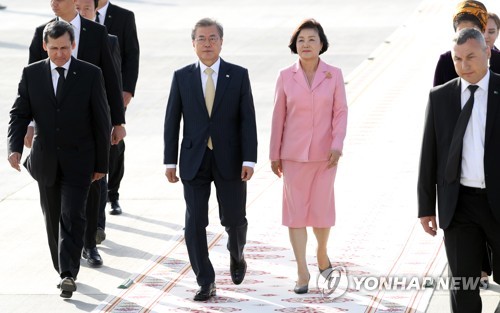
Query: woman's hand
[276, 167]
[333, 159]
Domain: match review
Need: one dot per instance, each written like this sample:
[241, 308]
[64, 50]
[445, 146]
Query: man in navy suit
[66, 99]
[460, 167]
[219, 145]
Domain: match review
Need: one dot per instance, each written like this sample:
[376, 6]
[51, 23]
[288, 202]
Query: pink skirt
[308, 197]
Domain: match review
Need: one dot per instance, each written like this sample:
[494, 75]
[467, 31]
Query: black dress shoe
[115, 208]
[100, 235]
[68, 286]
[205, 292]
[93, 257]
[238, 270]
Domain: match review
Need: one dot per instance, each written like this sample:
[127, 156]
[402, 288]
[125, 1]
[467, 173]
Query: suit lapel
[195, 80]
[84, 38]
[299, 77]
[456, 101]
[321, 74]
[109, 16]
[492, 106]
[47, 82]
[223, 79]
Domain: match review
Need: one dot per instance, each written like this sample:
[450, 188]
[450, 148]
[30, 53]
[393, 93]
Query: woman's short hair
[308, 24]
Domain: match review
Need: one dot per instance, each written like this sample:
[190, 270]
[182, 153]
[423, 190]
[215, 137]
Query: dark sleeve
[36, 47]
[426, 187]
[117, 59]
[445, 69]
[171, 126]
[495, 61]
[130, 57]
[248, 124]
[111, 81]
[20, 117]
[101, 123]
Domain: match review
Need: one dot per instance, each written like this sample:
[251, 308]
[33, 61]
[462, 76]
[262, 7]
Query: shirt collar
[76, 22]
[66, 65]
[483, 83]
[102, 12]
[214, 66]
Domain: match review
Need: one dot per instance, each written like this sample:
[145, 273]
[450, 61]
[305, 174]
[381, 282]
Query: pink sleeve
[339, 121]
[278, 122]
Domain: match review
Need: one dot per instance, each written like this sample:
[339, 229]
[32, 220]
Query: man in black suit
[92, 45]
[66, 99]
[219, 145]
[121, 23]
[95, 227]
[460, 158]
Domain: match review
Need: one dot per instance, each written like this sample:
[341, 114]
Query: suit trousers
[101, 220]
[473, 226]
[92, 213]
[116, 169]
[231, 197]
[63, 206]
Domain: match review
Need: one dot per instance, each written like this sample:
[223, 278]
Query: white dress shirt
[55, 74]
[472, 174]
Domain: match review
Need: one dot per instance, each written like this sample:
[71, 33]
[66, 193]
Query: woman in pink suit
[307, 136]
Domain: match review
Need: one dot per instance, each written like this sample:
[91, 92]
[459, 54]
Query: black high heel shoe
[302, 289]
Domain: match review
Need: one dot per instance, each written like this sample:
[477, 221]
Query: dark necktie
[455, 154]
[97, 17]
[60, 82]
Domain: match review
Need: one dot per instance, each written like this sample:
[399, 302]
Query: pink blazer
[308, 122]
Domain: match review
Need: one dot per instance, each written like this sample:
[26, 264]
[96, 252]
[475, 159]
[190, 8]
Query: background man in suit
[121, 23]
[66, 99]
[460, 153]
[95, 228]
[219, 144]
[91, 40]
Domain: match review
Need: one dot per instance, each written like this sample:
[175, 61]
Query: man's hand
[429, 225]
[276, 167]
[171, 175]
[127, 96]
[246, 173]
[15, 160]
[97, 176]
[28, 138]
[333, 158]
[118, 134]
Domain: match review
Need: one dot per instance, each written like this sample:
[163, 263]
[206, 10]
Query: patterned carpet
[168, 284]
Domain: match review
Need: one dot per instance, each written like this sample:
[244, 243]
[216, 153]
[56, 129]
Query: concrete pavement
[367, 39]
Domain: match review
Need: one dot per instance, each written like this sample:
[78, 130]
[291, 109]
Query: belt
[473, 190]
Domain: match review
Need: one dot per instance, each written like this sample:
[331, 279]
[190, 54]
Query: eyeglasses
[211, 40]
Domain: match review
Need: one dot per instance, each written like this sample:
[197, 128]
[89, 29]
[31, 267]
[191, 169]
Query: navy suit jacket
[121, 23]
[443, 109]
[231, 125]
[93, 48]
[72, 134]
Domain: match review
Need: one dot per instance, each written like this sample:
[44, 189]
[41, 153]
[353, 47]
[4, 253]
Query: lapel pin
[84, 29]
[227, 75]
[74, 73]
[495, 92]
